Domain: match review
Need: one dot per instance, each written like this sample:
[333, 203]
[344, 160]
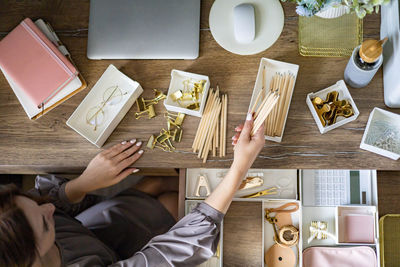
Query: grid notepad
[330, 187]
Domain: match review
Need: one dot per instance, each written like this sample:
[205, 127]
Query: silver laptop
[144, 29]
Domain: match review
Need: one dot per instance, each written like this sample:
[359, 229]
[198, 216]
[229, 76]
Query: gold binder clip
[158, 97]
[175, 119]
[141, 104]
[149, 110]
[178, 135]
[194, 106]
[151, 142]
[162, 138]
[177, 95]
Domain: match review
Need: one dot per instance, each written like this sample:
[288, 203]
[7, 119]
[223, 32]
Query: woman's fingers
[236, 137]
[130, 160]
[248, 126]
[126, 172]
[239, 128]
[118, 148]
[127, 153]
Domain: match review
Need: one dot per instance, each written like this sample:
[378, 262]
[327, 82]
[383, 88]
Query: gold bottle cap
[371, 50]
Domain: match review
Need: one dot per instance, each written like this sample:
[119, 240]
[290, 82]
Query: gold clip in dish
[194, 106]
[177, 95]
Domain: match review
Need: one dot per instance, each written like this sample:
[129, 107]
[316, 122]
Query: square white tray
[380, 116]
[113, 113]
[285, 180]
[272, 67]
[177, 78]
[344, 94]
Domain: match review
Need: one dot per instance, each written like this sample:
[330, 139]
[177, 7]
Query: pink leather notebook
[34, 63]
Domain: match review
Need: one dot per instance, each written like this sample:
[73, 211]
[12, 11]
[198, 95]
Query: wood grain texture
[388, 192]
[243, 235]
[49, 144]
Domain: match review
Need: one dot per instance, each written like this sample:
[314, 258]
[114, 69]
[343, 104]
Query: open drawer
[322, 195]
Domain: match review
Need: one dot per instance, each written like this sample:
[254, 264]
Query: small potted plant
[336, 8]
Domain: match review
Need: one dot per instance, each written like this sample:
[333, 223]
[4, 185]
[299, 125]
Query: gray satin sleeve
[191, 241]
[54, 187]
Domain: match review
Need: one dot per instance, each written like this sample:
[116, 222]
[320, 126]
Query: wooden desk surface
[49, 145]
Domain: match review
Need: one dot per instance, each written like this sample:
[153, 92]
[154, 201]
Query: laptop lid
[144, 29]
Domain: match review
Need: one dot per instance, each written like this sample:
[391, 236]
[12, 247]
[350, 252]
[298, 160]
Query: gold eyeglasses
[112, 96]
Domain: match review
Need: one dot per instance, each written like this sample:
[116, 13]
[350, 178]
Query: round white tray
[269, 24]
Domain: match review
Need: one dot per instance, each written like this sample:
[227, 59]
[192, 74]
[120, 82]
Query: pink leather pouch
[339, 257]
[359, 228]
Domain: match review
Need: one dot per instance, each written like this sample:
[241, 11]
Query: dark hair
[17, 240]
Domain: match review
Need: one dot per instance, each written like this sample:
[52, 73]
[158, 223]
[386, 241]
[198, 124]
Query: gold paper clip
[149, 110]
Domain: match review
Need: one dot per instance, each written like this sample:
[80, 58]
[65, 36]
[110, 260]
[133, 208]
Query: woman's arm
[108, 168]
[194, 238]
[246, 150]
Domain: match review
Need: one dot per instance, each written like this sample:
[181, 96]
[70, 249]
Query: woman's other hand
[247, 147]
[109, 167]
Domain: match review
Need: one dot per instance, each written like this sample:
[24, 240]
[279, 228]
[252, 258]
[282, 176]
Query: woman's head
[26, 228]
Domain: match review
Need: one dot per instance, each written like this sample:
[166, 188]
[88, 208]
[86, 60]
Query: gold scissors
[268, 191]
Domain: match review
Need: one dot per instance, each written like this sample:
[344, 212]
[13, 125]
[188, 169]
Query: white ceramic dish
[177, 78]
[374, 131]
[344, 94]
[272, 67]
[269, 20]
[113, 113]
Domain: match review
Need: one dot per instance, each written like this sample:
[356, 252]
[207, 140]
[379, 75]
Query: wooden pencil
[286, 106]
[210, 98]
[221, 133]
[280, 107]
[265, 103]
[268, 106]
[203, 129]
[216, 111]
[253, 108]
[207, 128]
[225, 123]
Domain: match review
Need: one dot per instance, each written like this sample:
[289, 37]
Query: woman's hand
[247, 147]
[108, 168]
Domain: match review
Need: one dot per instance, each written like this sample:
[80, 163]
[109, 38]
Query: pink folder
[34, 63]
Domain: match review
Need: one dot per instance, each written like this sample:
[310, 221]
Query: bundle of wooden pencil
[264, 108]
[283, 84]
[211, 133]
